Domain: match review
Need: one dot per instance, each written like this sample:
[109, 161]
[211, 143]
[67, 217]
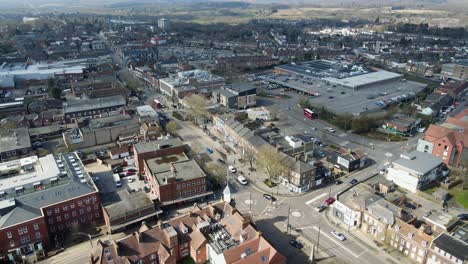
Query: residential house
[349, 160]
[414, 170]
[449, 248]
[92, 108]
[217, 234]
[445, 143]
[455, 89]
[410, 239]
[402, 125]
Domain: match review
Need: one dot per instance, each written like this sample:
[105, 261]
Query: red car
[129, 173]
[329, 201]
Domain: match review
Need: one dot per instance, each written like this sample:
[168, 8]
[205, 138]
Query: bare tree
[197, 106]
[271, 162]
[249, 155]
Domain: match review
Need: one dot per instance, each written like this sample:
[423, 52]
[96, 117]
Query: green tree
[52, 89]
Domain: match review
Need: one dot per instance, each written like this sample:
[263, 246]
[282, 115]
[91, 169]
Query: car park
[296, 244]
[269, 197]
[242, 180]
[329, 201]
[338, 235]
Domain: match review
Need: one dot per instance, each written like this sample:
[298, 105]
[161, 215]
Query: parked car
[220, 161]
[320, 208]
[382, 171]
[242, 180]
[353, 182]
[100, 153]
[209, 151]
[296, 244]
[338, 182]
[117, 170]
[338, 235]
[410, 205]
[232, 169]
[269, 197]
[463, 217]
[129, 173]
[96, 178]
[329, 201]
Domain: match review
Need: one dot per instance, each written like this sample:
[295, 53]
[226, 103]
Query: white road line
[339, 244]
[316, 198]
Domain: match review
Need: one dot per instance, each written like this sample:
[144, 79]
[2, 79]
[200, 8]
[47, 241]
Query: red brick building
[42, 200]
[175, 178]
[155, 149]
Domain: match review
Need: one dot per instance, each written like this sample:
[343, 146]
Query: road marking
[339, 244]
[315, 199]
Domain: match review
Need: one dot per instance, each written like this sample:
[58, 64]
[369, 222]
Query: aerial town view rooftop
[233, 132]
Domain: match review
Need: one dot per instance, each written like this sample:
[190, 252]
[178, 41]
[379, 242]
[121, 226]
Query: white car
[242, 180]
[331, 130]
[232, 169]
[338, 235]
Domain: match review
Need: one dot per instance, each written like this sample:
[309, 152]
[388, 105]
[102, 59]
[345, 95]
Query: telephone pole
[287, 225]
[318, 242]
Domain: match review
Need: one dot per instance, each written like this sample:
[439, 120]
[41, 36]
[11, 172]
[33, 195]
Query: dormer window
[397, 228]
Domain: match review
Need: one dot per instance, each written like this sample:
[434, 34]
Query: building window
[83, 219]
[60, 227]
[73, 213]
[25, 239]
[52, 229]
[51, 221]
[87, 201]
[49, 212]
[88, 208]
[38, 235]
[59, 218]
[96, 206]
[97, 214]
[12, 243]
[36, 227]
[66, 216]
[80, 203]
[23, 230]
[94, 199]
[57, 210]
[81, 211]
[9, 235]
[65, 208]
[72, 205]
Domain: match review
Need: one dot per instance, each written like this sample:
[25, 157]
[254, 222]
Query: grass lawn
[431, 190]
[461, 196]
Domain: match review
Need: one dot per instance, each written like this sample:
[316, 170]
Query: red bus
[309, 114]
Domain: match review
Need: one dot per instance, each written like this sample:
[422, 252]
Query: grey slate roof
[418, 161]
[56, 194]
[14, 139]
[18, 215]
[452, 245]
[95, 103]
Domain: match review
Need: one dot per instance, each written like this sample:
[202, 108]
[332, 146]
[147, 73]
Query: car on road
[313, 128]
[382, 171]
[129, 173]
[288, 108]
[242, 180]
[410, 205]
[96, 178]
[338, 235]
[329, 201]
[323, 145]
[353, 182]
[232, 169]
[269, 197]
[330, 129]
[320, 208]
[338, 182]
[296, 244]
[209, 151]
[37, 144]
[220, 161]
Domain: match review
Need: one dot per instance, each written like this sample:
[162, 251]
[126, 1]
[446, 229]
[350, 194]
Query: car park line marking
[315, 199]
[334, 241]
